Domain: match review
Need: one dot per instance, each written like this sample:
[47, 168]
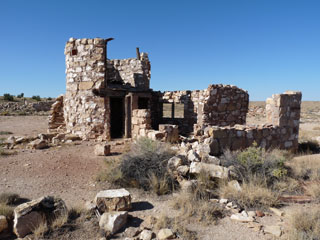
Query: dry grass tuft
[313, 189]
[8, 198]
[254, 194]
[194, 209]
[305, 225]
[40, 230]
[6, 210]
[306, 167]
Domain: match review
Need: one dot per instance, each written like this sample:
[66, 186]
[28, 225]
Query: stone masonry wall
[220, 105]
[85, 113]
[141, 122]
[132, 72]
[56, 117]
[281, 131]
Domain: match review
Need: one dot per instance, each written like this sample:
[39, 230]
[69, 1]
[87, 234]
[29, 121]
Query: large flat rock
[113, 200]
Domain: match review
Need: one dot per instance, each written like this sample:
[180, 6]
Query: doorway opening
[116, 117]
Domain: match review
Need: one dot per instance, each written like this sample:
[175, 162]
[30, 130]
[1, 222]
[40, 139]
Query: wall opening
[143, 103]
[116, 117]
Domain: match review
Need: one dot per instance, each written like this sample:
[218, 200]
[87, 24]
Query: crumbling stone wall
[219, 105]
[141, 122]
[85, 113]
[131, 72]
[56, 118]
[281, 131]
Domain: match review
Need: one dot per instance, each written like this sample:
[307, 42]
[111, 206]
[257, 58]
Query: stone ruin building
[107, 99]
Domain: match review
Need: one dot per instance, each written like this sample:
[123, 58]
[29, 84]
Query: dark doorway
[117, 117]
[143, 103]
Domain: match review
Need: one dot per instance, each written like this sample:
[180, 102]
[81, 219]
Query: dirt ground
[69, 172]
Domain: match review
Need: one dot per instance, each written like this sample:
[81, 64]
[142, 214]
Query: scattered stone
[214, 171]
[277, 211]
[3, 223]
[183, 170]
[38, 144]
[188, 185]
[174, 163]
[251, 213]
[29, 215]
[211, 159]
[259, 213]
[102, 150]
[113, 221]
[113, 200]
[146, 235]
[223, 201]
[241, 218]
[165, 233]
[274, 230]
[72, 137]
[193, 156]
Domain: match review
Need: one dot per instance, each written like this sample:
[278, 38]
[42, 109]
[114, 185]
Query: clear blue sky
[263, 46]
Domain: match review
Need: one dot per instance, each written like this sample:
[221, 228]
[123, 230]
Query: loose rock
[113, 221]
[113, 200]
[165, 233]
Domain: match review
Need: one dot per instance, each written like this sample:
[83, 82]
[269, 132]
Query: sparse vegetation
[254, 194]
[36, 97]
[8, 198]
[21, 95]
[5, 133]
[305, 225]
[144, 166]
[8, 97]
[256, 162]
[6, 210]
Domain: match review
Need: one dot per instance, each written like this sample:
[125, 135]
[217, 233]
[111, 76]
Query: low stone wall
[141, 122]
[281, 131]
[25, 108]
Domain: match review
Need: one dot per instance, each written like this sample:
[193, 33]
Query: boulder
[171, 132]
[113, 221]
[213, 170]
[102, 150]
[146, 235]
[211, 159]
[38, 144]
[3, 223]
[113, 200]
[165, 233]
[193, 156]
[29, 215]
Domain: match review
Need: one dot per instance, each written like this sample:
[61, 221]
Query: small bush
[6, 210]
[254, 194]
[309, 147]
[21, 95]
[5, 133]
[49, 98]
[36, 97]
[313, 189]
[305, 225]
[257, 162]
[144, 166]
[9, 198]
[8, 97]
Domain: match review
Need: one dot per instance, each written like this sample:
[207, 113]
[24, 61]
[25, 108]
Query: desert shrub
[49, 98]
[6, 210]
[21, 95]
[36, 97]
[309, 147]
[5, 133]
[313, 189]
[305, 168]
[305, 225]
[287, 185]
[205, 187]
[144, 166]
[257, 162]
[9, 198]
[8, 97]
[254, 194]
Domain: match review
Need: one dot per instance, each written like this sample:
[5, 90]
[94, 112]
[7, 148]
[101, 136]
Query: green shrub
[144, 166]
[8, 198]
[21, 95]
[37, 98]
[6, 210]
[49, 98]
[8, 97]
[257, 162]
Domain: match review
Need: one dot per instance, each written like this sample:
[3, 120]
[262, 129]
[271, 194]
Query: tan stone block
[85, 85]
